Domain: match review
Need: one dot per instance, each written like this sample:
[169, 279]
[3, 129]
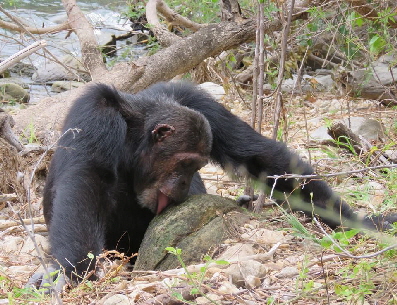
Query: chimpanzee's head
[178, 143]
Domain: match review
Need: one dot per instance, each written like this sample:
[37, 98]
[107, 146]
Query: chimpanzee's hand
[53, 281]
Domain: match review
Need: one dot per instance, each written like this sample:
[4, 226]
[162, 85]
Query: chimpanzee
[124, 158]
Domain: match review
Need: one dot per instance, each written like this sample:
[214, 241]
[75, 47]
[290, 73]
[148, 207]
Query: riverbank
[107, 20]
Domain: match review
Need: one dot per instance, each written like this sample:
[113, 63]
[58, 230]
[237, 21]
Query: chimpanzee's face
[172, 182]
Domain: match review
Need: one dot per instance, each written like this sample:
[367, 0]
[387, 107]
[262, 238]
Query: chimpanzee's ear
[161, 131]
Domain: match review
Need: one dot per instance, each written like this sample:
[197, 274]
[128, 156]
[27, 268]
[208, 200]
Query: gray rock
[217, 91]
[53, 71]
[195, 226]
[392, 155]
[23, 69]
[288, 272]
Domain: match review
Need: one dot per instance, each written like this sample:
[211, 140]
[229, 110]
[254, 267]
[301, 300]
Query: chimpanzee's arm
[79, 190]
[237, 146]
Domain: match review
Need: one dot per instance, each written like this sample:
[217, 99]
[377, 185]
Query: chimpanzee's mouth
[162, 201]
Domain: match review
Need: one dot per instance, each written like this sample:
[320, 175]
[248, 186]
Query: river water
[106, 18]
[39, 13]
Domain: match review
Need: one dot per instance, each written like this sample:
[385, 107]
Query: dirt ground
[298, 270]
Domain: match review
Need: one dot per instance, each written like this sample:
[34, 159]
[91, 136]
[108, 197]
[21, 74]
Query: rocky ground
[272, 259]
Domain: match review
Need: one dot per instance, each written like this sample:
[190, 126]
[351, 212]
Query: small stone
[288, 272]
[12, 244]
[41, 242]
[119, 299]
[252, 281]
[228, 288]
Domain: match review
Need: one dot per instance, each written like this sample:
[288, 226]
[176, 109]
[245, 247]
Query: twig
[316, 176]
[33, 30]
[31, 232]
[8, 197]
[279, 101]
[12, 223]
[261, 65]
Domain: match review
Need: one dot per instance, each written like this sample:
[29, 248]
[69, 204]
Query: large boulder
[196, 226]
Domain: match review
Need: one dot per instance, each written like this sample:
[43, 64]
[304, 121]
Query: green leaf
[356, 19]
[178, 296]
[326, 242]
[222, 262]
[376, 44]
[207, 258]
[351, 233]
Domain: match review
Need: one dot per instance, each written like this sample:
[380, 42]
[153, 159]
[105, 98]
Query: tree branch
[17, 57]
[165, 37]
[176, 19]
[187, 53]
[91, 54]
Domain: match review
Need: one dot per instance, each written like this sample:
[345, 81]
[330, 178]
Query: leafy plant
[342, 238]
[195, 279]
[29, 133]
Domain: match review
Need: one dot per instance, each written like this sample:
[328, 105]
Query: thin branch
[32, 221]
[33, 30]
[261, 64]
[279, 98]
[315, 176]
[17, 57]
